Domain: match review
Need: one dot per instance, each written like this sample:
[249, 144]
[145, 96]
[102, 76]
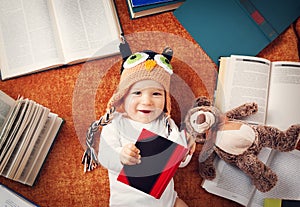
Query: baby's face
[145, 101]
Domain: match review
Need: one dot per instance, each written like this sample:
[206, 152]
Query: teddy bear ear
[202, 101]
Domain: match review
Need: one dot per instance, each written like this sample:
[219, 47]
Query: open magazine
[233, 184]
[44, 34]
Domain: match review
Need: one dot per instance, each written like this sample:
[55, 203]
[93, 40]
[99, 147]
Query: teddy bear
[235, 141]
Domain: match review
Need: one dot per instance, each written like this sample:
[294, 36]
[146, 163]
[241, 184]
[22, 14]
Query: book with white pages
[233, 184]
[65, 32]
[28, 131]
[274, 86]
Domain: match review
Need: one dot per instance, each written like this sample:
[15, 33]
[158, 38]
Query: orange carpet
[79, 94]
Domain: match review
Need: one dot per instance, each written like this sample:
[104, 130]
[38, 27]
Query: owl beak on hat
[150, 64]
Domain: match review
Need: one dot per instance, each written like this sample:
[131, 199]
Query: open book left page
[8, 197]
[65, 32]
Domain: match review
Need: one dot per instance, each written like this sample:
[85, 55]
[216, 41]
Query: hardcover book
[150, 9]
[277, 202]
[242, 27]
[160, 158]
[136, 3]
[27, 132]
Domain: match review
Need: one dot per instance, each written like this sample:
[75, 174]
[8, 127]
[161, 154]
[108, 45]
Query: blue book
[241, 27]
[150, 9]
[136, 3]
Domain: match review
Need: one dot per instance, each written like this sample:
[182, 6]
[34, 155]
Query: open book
[274, 86]
[50, 33]
[27, 131]
[235, 185]
[9, 197]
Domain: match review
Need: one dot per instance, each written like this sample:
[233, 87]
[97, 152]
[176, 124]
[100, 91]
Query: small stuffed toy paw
[266, 183]
[207, 171]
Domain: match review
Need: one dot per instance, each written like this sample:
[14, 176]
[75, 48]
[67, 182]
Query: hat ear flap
[168, 53]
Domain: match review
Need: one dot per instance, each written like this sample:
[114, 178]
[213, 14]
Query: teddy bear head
[201, 118]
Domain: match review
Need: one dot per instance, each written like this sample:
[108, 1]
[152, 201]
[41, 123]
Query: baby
[141, 101]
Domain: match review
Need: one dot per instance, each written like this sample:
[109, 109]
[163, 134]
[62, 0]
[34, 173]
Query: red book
[160, 158]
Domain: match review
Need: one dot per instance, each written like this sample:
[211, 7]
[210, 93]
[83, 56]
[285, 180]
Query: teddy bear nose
[200, 119]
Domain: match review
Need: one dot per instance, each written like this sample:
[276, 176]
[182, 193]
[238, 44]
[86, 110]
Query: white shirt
[114, 136]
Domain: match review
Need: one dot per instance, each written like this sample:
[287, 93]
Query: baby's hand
[130, 155]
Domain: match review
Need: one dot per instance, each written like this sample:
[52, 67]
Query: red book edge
[169, 171]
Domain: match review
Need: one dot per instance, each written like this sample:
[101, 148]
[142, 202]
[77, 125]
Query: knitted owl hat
[145, 65]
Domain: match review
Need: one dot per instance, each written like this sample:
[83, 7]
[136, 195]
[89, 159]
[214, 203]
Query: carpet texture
[79, 94]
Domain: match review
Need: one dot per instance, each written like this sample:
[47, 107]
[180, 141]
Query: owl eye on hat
[151, 58]
[144, 65]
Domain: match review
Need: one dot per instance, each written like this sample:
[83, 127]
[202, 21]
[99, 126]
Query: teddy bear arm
[207, 169]
[242, 111]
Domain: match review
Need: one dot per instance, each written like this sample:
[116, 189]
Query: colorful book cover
[243, 27]
[160, 158]
[136, 3]
[276, 202]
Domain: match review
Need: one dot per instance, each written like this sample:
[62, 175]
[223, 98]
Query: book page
[15, 139]
[6, 107]
[231, 182]
[38, 145]
[40, 150]
[9, 198]
[40, 121]
[284, 100]
[28, 139]
[87, 28]
[45, 148]
[286, 166]
[7, 127]
[17, 128]
[27, 39]
[244, 79]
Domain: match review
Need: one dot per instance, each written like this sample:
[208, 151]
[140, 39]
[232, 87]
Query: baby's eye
[136, 92]
[163, 62]
[157, 94]
[135, 59]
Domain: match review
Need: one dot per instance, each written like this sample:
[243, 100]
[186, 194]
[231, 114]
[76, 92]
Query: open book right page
[243, 79]
[87, 29]
[284, 100]
[231, 182]
[286, 166]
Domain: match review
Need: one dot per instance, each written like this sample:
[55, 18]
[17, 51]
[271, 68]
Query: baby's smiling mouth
[145, 111]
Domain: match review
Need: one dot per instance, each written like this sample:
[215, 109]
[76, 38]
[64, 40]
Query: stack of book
[27, 131]
[141, 8]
